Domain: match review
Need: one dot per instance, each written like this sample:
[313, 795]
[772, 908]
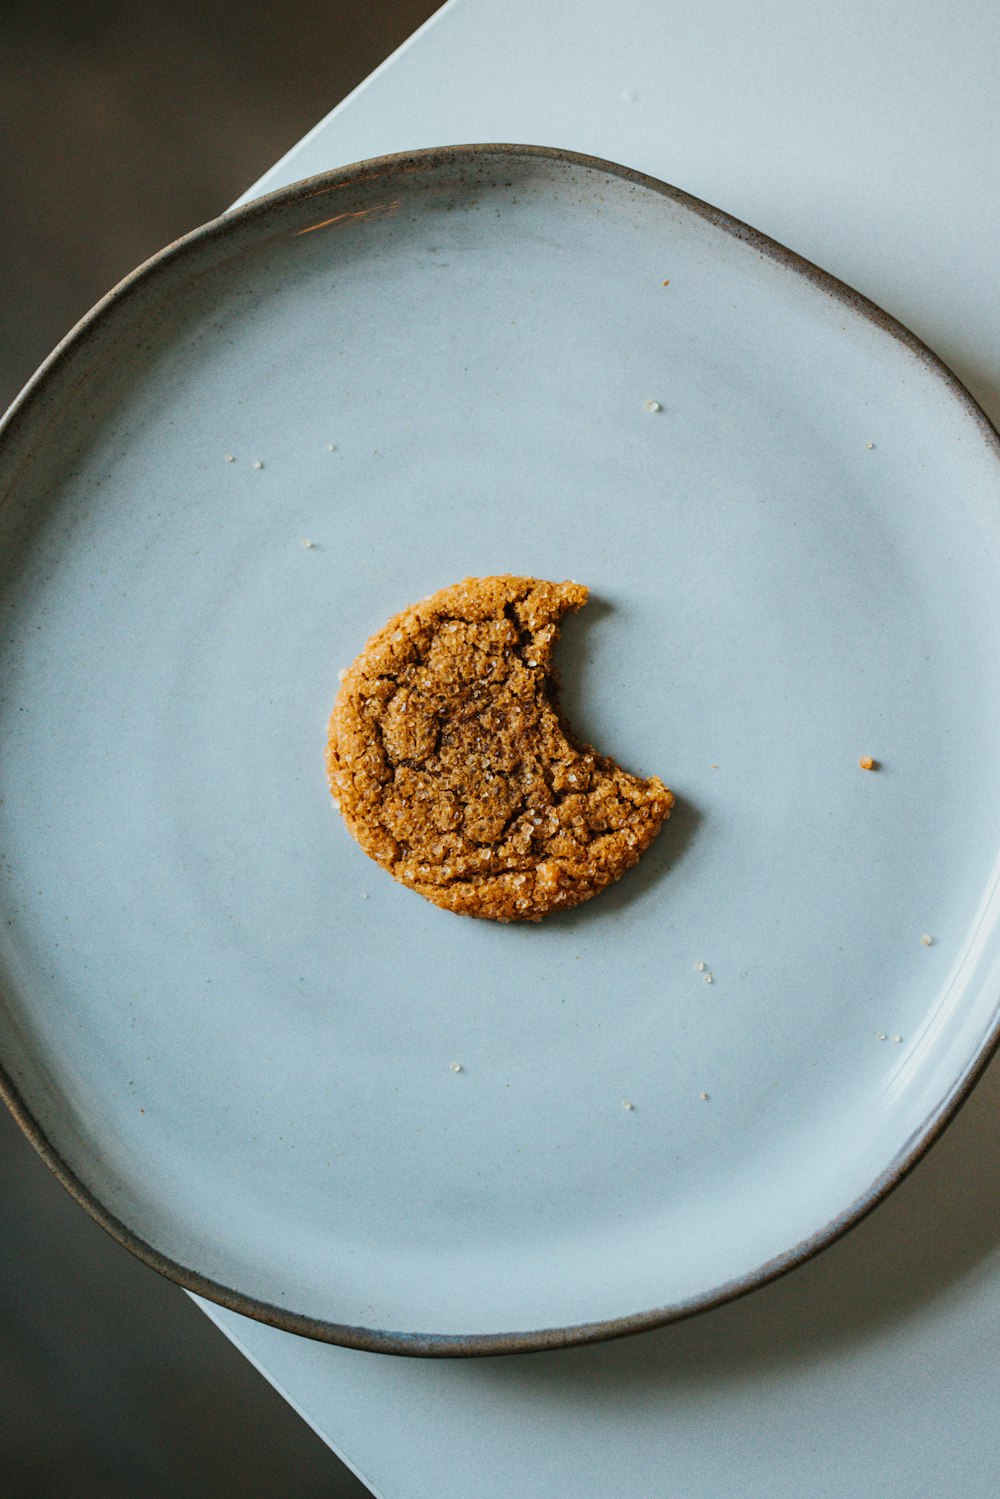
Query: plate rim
[376, 1340]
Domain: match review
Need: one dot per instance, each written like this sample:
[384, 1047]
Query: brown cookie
[453, 769]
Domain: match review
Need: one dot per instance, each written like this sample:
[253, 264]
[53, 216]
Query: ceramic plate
[228, 1031]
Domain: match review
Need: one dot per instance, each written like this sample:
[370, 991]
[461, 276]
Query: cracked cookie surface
[454, 770]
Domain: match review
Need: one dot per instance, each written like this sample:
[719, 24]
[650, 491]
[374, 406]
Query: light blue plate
[229, 1032]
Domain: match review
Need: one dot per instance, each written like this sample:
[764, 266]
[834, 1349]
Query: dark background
[121, 127]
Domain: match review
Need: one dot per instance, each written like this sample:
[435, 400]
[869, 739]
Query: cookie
[453, 769]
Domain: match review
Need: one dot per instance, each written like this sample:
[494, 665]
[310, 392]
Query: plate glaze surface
[229, 1032]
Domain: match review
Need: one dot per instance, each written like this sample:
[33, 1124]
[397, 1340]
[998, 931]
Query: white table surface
[866, 136]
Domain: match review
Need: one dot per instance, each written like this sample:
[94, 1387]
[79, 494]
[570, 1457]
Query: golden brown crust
[453, 769]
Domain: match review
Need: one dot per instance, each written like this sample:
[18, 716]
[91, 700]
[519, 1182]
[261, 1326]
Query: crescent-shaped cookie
[453, 768]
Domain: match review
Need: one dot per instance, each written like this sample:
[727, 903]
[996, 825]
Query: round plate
[229, 1032]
